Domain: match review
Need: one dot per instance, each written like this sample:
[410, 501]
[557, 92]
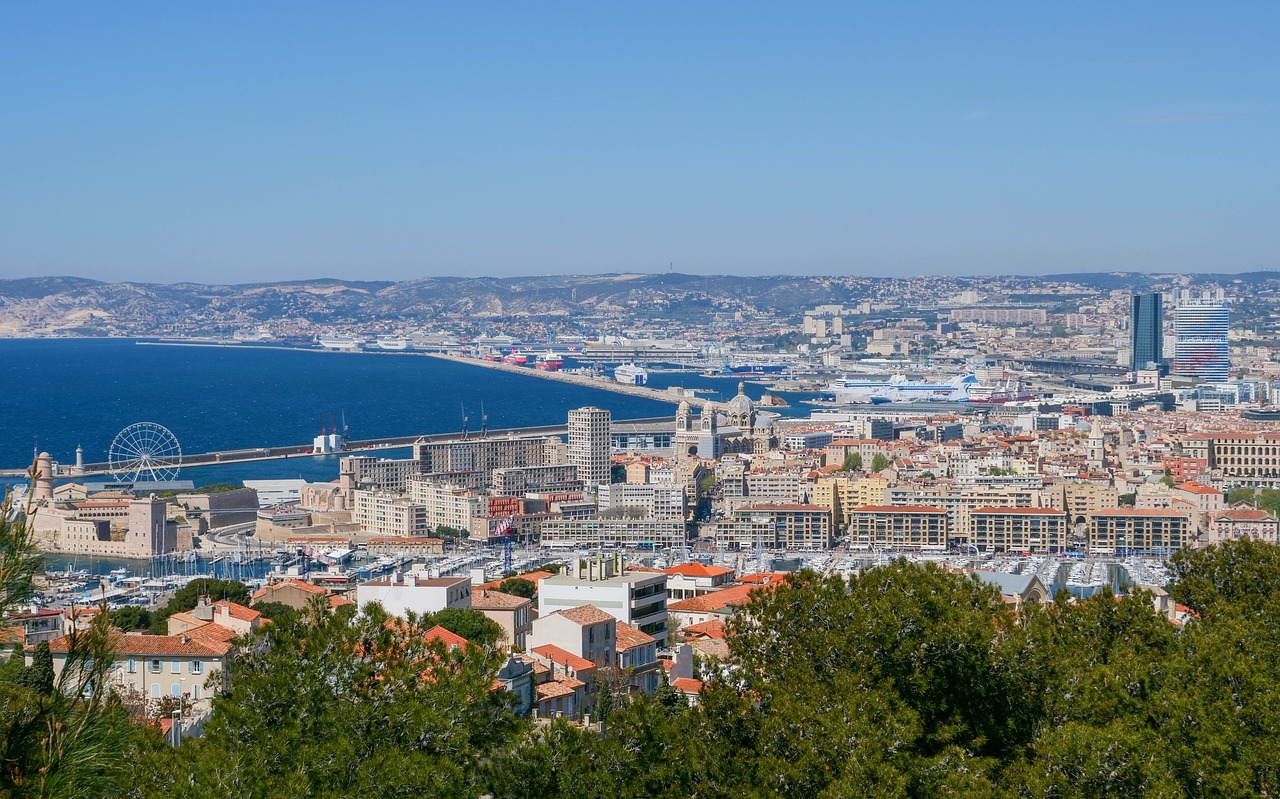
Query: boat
[631, 374]
[898, 388]
[345, 343]
[394, 343]
[516, 358]
[548, 362]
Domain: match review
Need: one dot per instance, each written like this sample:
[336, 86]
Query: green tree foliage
[130, 617]
[880, 462]
[13, 666]
[852, 462]
[617, 473]
[518, 586]
[188, 597]
[276, 611]
[1241, 495]
[39, 676]
[336, 704]
[470, 624]
[63, 735]
[1234, 575]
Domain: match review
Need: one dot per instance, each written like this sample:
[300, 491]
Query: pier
[363, 447]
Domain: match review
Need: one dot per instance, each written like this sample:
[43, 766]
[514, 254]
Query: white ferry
[631, 374]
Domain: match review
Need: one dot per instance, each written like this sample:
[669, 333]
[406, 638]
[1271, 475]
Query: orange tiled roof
[716, 600]
[695, 569]
[629, 637]
[687, 685]
[707, 629]
[189, 645]
[485, 599]
[586, 614]
[564, 657]
[238, 611]
[898, 509]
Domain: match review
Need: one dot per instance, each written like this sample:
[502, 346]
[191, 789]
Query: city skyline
[170, 144]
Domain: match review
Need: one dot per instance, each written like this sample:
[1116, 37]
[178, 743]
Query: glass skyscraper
[1146, 332]
[1202, 351]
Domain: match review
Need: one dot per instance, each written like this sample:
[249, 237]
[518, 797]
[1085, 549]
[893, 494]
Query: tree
[1241, 495]
[618, 473]
[276, 611]
[130, 617]
[39, 675]
[60, 735]
[188, 597]
[470, 624]
[12, 668]
[880, 462]
[1233, 575]
[338, 703]
[1168, 481]
[518, 586]
[852, 462]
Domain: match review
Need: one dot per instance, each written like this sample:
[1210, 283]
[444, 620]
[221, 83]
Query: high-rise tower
[589, 444]
[1146, 332]
[1202, 351]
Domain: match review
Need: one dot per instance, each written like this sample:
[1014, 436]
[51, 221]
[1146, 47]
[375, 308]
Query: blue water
[64, 392]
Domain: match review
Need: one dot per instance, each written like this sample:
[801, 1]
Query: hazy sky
[230, 142]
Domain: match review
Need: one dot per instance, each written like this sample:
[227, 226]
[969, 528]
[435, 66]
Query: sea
[64, 393]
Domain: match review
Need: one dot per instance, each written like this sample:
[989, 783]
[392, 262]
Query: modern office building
[1146, 332]
[1201, 349]
[589, 444]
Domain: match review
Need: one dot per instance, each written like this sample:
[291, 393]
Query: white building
[400, 593]
[652, 501]
[589, 444]
[635, 598]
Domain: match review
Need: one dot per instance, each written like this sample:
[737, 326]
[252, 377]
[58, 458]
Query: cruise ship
[340, 342]
[963, 388]
[394, 343]
[631, 374]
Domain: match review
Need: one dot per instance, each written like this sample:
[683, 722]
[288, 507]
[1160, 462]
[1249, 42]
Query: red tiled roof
[290, 583]
[1022, 511]
[898, 509]
[695, 569]
[716, 600]
[485, 599]
[446, 637]
[188, 645]
[629, 637]
[708, 629]
[1162, 512]
[1244, 515]
[1193, 487]
[586, 614]
[564, 657]
[237, 611]
[687, 685]
[554, 689]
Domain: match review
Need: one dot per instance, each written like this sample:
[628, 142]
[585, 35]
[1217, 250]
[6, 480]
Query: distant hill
[64, 305]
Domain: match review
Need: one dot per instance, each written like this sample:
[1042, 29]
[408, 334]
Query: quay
[365, 446]
[608, 384]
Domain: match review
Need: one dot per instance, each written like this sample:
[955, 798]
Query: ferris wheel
[144, 452]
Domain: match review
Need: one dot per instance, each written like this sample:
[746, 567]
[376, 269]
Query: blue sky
[232, 142]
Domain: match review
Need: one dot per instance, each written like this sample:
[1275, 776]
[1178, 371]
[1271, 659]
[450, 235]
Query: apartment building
[1125, 531]
[780, 526]
[920, 527]
[635, 598]
[1040, 531]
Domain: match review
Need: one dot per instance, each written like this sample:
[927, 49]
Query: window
[176, 667]
[175, 689]
[155, 690]
[133, 665]
[196, 666]
[195, 691]
[156, 668]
